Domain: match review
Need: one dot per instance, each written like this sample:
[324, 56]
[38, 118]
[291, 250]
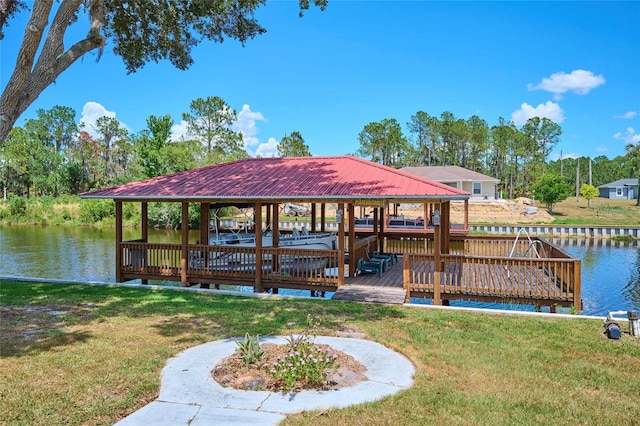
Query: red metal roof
[300, 178]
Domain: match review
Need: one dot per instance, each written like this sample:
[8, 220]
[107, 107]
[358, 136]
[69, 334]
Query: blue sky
[330, 73]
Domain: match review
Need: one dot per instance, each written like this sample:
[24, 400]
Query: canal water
[610, 270]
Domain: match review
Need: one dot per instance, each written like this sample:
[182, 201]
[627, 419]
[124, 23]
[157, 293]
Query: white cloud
[246, 123]
[574, 155]
[579, 82]
[550, 110]
[627, 115]
[90, 114]
[629, 137]
[268, 149]
[179, 131]
[602, 148]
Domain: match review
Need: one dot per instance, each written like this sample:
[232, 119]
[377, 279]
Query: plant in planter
[250, 350]
[297, 365]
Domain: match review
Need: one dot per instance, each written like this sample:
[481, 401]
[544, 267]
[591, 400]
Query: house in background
[480, 186]
[623, 189]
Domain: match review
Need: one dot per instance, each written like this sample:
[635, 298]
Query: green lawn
[91, 355]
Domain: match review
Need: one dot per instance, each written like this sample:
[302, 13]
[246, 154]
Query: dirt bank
[485, 211]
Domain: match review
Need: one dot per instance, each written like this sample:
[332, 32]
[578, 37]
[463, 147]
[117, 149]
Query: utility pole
[589, 170]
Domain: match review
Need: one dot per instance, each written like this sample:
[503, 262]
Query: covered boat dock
[436, 259]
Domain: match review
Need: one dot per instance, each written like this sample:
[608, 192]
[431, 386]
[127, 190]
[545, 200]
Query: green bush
[169, 215]
[17, 206]
[92, 211]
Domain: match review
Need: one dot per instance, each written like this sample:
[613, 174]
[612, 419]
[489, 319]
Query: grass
[602, 211]
[91, 355]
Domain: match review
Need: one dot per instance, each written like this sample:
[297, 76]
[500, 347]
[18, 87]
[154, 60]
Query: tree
[425, 131]
[138, 31]
[384, 143]
[114, 147]
[545, 132]
[588, 192]
[478, 133]
[150, 144]
[550, 189]
[633, 151]
[209, 121]
[293, 146]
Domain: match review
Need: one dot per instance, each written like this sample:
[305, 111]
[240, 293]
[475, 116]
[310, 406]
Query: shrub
[17, 206]
[305, 362]
[92, 211]
[250, 350]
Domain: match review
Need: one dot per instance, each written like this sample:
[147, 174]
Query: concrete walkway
[190, 396]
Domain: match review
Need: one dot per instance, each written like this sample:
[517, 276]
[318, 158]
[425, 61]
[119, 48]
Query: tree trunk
[28, 81]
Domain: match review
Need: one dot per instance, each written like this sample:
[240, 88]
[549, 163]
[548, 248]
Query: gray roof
[449, 174]
[620, 182]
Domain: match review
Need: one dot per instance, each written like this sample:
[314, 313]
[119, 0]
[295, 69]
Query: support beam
[339, 213]
[437, 300]
[118, 241]
[204, 223]
[185, 244]
[445, 211]
[313, 217]
[145, 222]
[466, 214]
[258, 219]
[381, 231]
[352, 240]
[323, 217]
[275, 235]
[144, 213]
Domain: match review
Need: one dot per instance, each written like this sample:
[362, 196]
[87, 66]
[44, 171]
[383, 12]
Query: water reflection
[631, 291]
[610, 269]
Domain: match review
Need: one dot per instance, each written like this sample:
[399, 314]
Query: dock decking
[371, 288]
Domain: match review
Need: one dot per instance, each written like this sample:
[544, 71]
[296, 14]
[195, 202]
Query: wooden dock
[370, 288]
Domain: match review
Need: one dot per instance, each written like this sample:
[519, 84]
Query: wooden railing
[308, 267]
[222, 264]
[151, 259]
[546, 281]
[364, 248]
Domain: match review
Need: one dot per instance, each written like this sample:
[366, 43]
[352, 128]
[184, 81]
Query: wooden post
[144, 222]
[204, 223]
[340, 211]
[118, 241]
[352, 240]
[425, 216]
[381, 230]
[405, 277]
[376, 227]
[323, 217]
[258, 218]
[204, 238]
[145, 229]
[313, 217]
[466, 214]
[445, 225]
[275, 235]
[437, 300]
[185, 244]
[577, 285]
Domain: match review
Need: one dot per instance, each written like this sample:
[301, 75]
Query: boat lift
[532, 246]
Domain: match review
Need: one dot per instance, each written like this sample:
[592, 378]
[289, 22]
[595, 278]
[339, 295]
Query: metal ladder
[532, 245]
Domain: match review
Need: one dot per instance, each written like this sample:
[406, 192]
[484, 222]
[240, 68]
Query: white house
[479, 185]
[623, 189]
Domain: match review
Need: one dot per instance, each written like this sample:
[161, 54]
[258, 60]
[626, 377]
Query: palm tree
[633, 151]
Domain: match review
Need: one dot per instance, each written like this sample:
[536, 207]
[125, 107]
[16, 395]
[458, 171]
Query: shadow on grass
[186, 316]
